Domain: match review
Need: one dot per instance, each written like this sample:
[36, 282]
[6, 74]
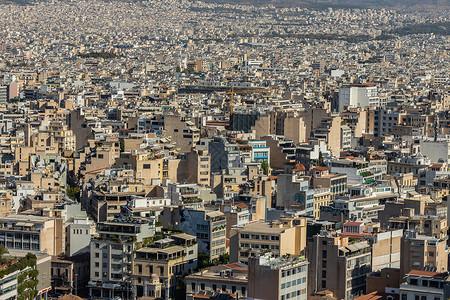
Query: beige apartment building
[338, 266]
[420, 251]
[32, 233]
[286, 236]
[196, 167]
[277, 278]
[155, 269]
[322, 197]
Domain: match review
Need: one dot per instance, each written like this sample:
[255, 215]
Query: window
[202, 286]
[224, 288]
[243, 291]
[324, 253]
[97, 254]
[100, 156]
[97, 264]
[324, 284]
[324, 274]
[193, 287]
[214, 287]
[324, 263]
[404, 297]
[96, 274]
[146, 166]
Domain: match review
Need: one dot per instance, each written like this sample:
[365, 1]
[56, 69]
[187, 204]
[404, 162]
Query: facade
[338, 265]
[279, 278]
[424, 285]
[32, 233]
[230, 278]
[208, 226]
[155, 269]
[36, 272]
[421, 251]
[358, 95]
[287, 236]
[112, 255]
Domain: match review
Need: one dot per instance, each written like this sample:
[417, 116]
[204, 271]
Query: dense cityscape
[196, 150]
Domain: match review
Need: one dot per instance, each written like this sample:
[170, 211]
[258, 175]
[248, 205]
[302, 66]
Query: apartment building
[358, 95]
[104, 206]
[155, 269]
[280, 278]
[208, 226]
[36, 266]
[420, 251]
[425, 285]
[322, 178]
[230, 278]
[329, 131]
[32, 233]
[286, 236]
[111, 255]
[338, 265]
[293, 192]
[322, 198]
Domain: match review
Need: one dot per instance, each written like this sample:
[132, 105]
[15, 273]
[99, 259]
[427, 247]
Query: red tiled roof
[299, 168]
[242, 205]
[320, 168]
[353, 223]
[426, 273]
[376, 296]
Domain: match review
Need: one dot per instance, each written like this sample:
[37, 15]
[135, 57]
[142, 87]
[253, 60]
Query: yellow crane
[232, 91]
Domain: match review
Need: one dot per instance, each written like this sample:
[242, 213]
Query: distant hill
[322, 4]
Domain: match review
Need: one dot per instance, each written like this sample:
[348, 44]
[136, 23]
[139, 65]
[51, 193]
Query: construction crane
[232, 92]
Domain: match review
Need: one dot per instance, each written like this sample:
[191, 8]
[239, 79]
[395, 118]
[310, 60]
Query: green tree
[202, 261]
[73, 193]
[180, 289]
[122, 145]
[265, 167]
[321, 162]
[224, 258]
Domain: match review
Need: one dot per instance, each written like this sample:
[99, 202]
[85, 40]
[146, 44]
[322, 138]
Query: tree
[180, 289]
[265, 167]
[224, 258]
[122, 145]
[202, 261]
[321, 163]
[73, 193]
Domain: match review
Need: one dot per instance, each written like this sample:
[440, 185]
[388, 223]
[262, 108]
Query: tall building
[286, 236]
[208, 226]
[4, 94]
[278, 278]
[112, 255]
[358, 95]
[338, 265]
[230, 278]
[421, 251]
[30, 281]
[425, 285]
[156, 268]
